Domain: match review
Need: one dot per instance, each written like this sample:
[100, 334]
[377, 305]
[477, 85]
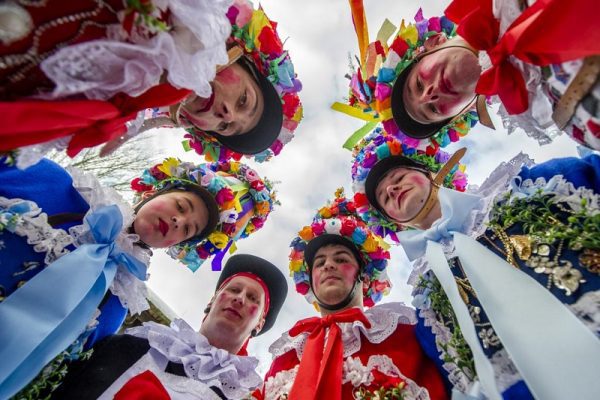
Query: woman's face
[234, 108]
[171, 218]
[442, 83]
[402, 193]
[237, 308]
[333, 273]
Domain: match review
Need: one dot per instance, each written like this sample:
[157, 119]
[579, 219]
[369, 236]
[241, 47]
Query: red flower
[269, 42]
[257, 222]
[360, 199]
[302, 288]
[138, 186]
[291, 101]
[351, 207]
[228, 229]
[257, 185]
[399, 46]
[383, 380]
[348, 227]
[157, 174]
[202, 252]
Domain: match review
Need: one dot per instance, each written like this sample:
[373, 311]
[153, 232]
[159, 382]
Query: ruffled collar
[234, 375]
[384, 319]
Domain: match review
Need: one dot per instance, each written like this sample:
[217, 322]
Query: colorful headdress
[257, 36]
[243, 198]
[339, 218]
[378, 146]
[370, 97]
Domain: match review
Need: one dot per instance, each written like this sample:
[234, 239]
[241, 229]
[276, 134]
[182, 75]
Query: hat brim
[381, 168]
[271, 276]
[315, 244]
[403, 120]
[266, 131]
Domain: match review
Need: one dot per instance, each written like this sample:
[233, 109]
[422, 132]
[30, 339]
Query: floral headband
[243, 198]
[257, 35]
[370, 96]
[378, 146]
[339, 218]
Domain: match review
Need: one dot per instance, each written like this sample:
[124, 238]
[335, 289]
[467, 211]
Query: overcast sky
[320, 37]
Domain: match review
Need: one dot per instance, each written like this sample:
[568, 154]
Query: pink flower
[224, 196]
[276, 147]
[302, 288]
[318, 227]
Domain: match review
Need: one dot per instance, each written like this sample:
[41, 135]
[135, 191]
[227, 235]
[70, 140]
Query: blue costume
[30, 244]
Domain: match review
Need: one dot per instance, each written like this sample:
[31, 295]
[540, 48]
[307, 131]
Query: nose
[329, 265]
[431, 92]
[392, 190]
[176, 222]
[238, 299]
[227, 112]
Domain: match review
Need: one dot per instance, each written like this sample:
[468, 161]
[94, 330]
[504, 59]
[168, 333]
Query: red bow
[90, 122]
[548, 32]
[320, 371]
[145, 386]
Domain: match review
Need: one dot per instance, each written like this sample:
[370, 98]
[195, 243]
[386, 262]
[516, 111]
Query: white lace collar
[384, 319]
[131, 291]
[234, 375]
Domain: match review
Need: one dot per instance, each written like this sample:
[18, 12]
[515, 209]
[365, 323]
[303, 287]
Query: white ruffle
[280, 385]
[587, 309]
[189, 52]
[130, 290]
[33, 225]
[234, 375]
[384, 319]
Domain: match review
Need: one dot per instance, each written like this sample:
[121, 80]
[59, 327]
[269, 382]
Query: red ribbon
[145, 386]
[548, 32]
[320, 371]
[90, 122]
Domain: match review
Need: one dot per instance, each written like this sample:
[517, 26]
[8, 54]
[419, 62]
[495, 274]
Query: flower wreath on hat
[257, 36]
[243, 198]
[339, 218]
[370, 96]
[379, 145]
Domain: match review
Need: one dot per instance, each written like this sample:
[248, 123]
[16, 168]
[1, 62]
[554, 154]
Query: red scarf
[548, 32]
[320, 371]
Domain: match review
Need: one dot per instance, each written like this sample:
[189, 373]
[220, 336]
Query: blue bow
[49, 312]
[456, 207]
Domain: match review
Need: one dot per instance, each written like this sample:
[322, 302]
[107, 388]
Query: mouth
[198, 104]
[233, 312]
[163, 227]
[209, 102]
[330, 278]
[401, 197]
[445, 85]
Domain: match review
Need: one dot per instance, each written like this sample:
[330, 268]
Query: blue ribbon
[49, 312]
[456, 207]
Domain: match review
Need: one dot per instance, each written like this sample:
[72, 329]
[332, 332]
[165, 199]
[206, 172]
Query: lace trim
[26, 219]
[234, 375]
[189, 52]
[587, 309]
[131, 292]
[360, 375]
[384, 319]
[505, 372]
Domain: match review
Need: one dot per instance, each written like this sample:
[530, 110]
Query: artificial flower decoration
[257, 36]
[243, 209]
[379, 145]
[371, 84]
[339, 218]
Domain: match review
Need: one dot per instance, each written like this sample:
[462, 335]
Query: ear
[434, 41]
[148, 193]
[260, 324]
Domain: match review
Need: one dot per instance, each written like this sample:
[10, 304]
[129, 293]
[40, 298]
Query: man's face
[237, 308]
[171, 218]
[402, 193]
[234, 108]
[441, 84]
[334, 271]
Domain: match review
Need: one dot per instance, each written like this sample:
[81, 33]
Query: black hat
[269, 273]
[405, 122]
[328, 239]
[381, 168]
[266, 131]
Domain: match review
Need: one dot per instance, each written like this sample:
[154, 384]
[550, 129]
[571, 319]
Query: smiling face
[170, 218]
[237, 308]
[441, 84]
[402, 193]
[234, 108]
[334, 271]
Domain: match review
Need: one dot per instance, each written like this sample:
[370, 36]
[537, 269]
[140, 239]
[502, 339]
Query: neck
[430, 218]
[356, 302]
[221, 341]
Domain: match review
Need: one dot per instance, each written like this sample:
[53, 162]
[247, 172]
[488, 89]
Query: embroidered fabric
[130, 291]
[384, 319]
[587, 309]
[505, 372]
[33, 225]
[234, 375]
[537, 120]
[189, 52]
[280, 385]
[360, 375]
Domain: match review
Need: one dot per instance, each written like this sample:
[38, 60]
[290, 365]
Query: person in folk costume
[522, 54]
[76, 76]
[506, 276]
[179, 363]
[55, 221]
[339, 265]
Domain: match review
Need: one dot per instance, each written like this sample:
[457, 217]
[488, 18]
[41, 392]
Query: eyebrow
[337, 253]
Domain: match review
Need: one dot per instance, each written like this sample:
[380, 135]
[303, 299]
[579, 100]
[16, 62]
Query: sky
[320, 38]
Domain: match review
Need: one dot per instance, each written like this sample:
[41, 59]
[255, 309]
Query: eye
[243, 99]
[186, 230]
[319, 264]
[419, 84]
[233, 289]
[180, 207]
[222, 126]
[433, 109]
